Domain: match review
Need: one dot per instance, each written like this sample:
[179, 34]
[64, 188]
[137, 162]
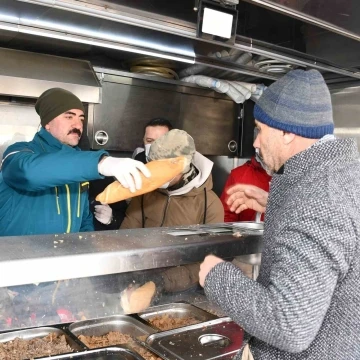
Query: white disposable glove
[125, 170]
[103, 213]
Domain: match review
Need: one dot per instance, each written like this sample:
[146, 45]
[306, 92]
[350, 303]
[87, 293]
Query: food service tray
[180, 310]
[121, 323]
[215, 339]
[40, 333]
[111, 353]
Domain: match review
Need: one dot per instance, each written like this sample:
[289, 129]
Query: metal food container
[40, 333]
[211, 308]
[180, 310]
[215, 339]
[120, 323]
[111, 353]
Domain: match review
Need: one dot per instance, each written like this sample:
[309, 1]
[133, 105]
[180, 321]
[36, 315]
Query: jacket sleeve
[133, 216]
[215, 211]
[229, 216]
[87, 223]
[22, 169]
[289, 311]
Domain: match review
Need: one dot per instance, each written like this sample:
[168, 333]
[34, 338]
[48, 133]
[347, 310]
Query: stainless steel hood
[337, 16]
[106, 24]
[72, 22]
[27, 74]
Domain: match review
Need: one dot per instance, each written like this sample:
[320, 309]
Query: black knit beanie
[54, 102]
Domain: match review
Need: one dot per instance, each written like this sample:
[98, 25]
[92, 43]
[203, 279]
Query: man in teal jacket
[44, 182]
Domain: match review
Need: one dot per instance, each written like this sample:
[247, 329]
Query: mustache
[259, 153]
[75, 131]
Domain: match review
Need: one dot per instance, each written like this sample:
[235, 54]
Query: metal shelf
[35, 259]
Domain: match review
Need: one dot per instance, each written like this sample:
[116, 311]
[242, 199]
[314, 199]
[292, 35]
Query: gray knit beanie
[299, 103]
[54, 102]
[173, 144]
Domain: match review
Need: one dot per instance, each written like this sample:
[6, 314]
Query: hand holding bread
[128, 172]
[162, 171]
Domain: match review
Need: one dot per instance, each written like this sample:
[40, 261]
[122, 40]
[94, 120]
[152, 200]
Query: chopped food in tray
[19, 349]
[169, 322]
[116, 338]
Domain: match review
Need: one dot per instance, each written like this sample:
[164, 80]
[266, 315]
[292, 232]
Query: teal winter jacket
[43, 187]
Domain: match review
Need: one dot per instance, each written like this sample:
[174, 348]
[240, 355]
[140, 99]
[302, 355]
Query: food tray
[111, 353]
[121, 323]
[40, 333]
[181, 310]
[211, 308]
[215, 339]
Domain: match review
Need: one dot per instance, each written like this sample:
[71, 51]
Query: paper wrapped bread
[162, 171]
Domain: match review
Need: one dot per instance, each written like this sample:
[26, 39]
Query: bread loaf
[162, 171]
[133, 301]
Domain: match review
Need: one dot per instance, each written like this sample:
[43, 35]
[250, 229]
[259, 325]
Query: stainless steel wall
[346, 107]
[221, 170]
[130, 101]
[18, 122]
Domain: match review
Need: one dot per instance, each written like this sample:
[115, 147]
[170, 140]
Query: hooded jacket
[305, 302]
[249, 173]
[194, 203]
[43, 187]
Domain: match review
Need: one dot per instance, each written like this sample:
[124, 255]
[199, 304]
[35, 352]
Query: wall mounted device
[216, 21]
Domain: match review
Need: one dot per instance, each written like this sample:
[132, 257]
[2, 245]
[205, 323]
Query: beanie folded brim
[310, 132]
[54, 102]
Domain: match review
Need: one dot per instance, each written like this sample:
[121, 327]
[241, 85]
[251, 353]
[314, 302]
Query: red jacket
[250, 173]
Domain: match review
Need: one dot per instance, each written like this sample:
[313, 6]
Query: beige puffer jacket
[195, 203]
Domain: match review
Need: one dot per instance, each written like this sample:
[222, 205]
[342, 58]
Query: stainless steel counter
[35, 259]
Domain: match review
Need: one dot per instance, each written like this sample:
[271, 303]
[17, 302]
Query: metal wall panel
[221, 170]
[18, 122]
[28, 74]
[346, 109]
[210, 122]
[128, 104]
[126, 109]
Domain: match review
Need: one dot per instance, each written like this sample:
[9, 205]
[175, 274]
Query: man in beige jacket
[188, 199]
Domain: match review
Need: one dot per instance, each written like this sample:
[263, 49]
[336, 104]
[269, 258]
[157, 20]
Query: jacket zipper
[57, 200]
[68, 208]
[78, 207]
[79, 199]
[166, 207]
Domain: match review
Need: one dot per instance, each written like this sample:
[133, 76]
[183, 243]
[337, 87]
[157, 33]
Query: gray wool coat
[305, 303]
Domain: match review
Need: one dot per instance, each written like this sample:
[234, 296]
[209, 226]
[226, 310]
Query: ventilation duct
[197, 69]
[236, 90]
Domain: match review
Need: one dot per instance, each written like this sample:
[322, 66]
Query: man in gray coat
[305, 302]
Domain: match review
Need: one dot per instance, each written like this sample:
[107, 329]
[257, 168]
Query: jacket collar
[329, 153]
[50, 142]
[281, 170]
[255, 163]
